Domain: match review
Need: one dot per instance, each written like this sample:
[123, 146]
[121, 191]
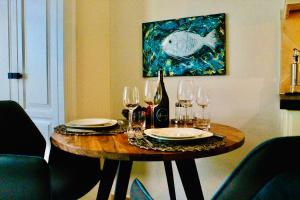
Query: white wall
[93, 59]
[246, 98]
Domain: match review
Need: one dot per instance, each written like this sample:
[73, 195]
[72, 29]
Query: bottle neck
[161, 82]
[161, 76]
[296, 55]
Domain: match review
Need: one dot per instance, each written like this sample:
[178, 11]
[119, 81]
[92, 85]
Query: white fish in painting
[183, 43]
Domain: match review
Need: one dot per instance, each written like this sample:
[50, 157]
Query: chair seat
[24, 177]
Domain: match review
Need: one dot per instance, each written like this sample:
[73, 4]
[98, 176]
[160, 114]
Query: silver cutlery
[140, 136]
[214, 134]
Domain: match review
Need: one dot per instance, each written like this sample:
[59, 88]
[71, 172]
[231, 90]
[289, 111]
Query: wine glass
[153, 96]
[185, 95]
[202, 99]
[131, 100]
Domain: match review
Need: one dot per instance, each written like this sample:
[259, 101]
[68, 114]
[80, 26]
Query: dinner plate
[91, 123]
[177, 134]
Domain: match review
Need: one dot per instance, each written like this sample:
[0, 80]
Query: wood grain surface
[116, 147]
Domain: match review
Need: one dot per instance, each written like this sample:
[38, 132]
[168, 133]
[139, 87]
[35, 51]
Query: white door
[35, 50]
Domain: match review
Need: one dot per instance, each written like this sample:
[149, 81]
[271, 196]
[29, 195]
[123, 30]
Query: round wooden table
[119, 155]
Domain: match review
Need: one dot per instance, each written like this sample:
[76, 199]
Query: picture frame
[191, 46]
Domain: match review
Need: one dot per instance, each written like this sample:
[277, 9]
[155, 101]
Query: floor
[92, 194]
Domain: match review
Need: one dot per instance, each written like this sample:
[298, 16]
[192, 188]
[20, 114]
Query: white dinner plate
[177, 133]
[91, 123]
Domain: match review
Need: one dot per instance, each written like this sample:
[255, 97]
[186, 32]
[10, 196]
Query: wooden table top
[116, 147]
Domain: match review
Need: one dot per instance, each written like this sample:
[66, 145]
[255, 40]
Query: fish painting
[190, 46]
[182, 44]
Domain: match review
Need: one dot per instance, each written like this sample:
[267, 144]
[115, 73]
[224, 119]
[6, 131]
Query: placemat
[63, 129]
[200, 145]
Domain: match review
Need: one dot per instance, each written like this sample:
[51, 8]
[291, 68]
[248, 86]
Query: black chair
[270, 171]
[24, 177]
[138, 191]
[71, 176]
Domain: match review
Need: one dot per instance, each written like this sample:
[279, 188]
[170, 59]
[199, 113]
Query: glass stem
[152, 116]
[130, 120]
[186, 117]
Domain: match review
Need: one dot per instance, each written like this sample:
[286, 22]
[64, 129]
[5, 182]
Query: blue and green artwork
[193, 46]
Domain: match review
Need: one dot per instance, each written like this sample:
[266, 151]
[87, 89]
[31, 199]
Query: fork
[140, 136]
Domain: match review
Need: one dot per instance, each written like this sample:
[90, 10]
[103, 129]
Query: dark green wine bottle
[161, 112]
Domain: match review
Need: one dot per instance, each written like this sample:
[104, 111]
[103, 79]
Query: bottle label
[162, 115]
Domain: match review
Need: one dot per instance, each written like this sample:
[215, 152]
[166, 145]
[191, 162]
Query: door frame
[60, 59]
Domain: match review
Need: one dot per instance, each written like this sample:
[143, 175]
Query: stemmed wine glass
[153, 96]
[202, 99]
[131, 100]
[185, 95]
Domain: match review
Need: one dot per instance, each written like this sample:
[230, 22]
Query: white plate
[177, 133]
[92, 123]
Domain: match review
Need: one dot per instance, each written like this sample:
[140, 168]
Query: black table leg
[170, 179]
[123, 179]
[190, 179]
[108, 175]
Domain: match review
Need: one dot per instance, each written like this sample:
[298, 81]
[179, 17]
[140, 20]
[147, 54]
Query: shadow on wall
[268, 113]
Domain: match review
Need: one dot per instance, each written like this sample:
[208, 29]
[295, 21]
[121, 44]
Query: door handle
[15, 75]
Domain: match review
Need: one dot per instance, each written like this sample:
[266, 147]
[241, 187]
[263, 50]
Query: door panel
[14, 59]
[45, 126]
[35, 53]
[40, 64]
[4, 51]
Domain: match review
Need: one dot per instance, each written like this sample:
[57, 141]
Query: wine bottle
[161, 112]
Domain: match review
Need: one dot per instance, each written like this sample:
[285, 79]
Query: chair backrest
[18, 133]
[72, 175]
[138, 191]
[24, 177]
[270, 159]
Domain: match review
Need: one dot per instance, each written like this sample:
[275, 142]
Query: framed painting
[192, 46]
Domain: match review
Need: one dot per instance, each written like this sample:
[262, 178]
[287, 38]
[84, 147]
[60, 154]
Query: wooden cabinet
[290, 122]
[290, 39]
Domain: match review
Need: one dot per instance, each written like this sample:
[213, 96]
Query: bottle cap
[296, 55]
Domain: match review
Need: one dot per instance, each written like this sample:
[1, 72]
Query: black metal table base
[190, 180]
[108, 175]
[170, 179]
[186, 168]
[123, 179]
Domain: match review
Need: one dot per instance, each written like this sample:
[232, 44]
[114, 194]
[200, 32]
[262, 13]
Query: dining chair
[138, 191]
[24, 177]
[71, 176]
[270, 171]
